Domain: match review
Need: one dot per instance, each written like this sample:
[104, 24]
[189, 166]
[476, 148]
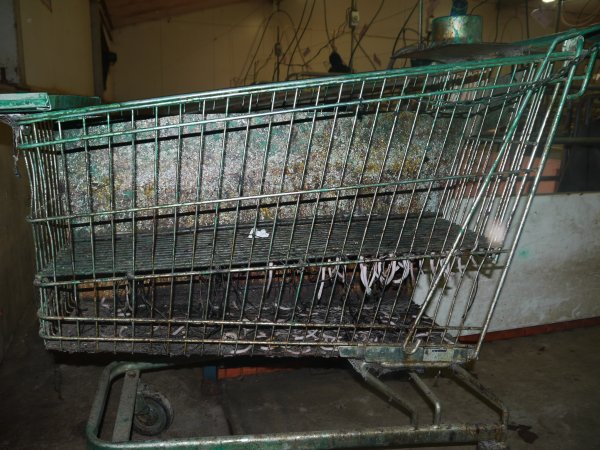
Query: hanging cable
[412, 11]
[340, 32]
[497, 22]
[364, 32]
[527, 17]
[482, 2]
[591, 16]
[258, 47]
[291, 58]
[295, 37]
[325, 19]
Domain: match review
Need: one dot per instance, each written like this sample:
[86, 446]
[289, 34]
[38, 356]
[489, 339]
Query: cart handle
[31, 102]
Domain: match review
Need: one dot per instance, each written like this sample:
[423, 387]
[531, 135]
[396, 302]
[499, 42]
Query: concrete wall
[57, 58]
[16, 243]
[9, 49]
[57, 46]
[213, 48]
[555, 274]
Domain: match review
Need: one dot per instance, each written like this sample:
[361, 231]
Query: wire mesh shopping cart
[349, 216]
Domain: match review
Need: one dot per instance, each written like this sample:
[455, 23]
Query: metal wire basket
[349, 216]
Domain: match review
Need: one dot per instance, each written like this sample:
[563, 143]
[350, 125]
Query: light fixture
[548, 1]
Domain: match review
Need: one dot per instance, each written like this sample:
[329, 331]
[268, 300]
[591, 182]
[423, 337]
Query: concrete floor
[549, 383]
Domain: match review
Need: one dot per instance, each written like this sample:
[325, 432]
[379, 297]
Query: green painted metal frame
[65, 107]
[413, 434]
[31, 102]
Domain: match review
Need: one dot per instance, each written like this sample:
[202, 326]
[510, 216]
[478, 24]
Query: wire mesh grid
[291, 219]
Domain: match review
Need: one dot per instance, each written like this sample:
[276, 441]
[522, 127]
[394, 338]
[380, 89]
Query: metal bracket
[397, 357]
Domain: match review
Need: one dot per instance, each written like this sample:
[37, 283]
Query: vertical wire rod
[430, 395]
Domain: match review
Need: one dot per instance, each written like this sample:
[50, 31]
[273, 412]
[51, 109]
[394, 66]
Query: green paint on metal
[548, 41]
[27, 102]
[422, 356]
[457, 30]
[523, 253]
[375, 437]
[61, 102]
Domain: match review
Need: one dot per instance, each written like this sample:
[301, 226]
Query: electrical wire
[517, 18]
[257, 71]
[364, 32]
[391, 16]
[411, 30]
[497, 22]
[295, 37]
[251, 46]
[591, 16]
[341, 30]
[527, 17]
[582, 10]
[300, 37]
[367, 56]
[412, 11]
[258, 47]
[325, 19]
[482, 2]
[266, 25]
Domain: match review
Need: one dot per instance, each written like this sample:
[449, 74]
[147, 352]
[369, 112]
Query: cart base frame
[490, 436]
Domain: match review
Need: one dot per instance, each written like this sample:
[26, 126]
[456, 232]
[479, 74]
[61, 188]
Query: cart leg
[363, 369]
[210, 382]
[492, 445]
[144, 405]
[127, 407]
[495, 441]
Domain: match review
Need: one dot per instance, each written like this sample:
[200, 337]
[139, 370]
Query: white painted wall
[555, 274]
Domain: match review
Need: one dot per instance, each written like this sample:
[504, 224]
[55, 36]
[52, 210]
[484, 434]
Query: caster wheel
[155, 415]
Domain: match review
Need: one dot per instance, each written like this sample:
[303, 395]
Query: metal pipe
[476, 386]
[420, 22]
[358, 438]
[431, 397]
[363, 369]
[127, 405]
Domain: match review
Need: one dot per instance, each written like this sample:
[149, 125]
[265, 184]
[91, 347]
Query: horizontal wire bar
[290, 85]
[470, 176]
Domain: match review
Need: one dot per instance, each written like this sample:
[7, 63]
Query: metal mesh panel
[291, 219]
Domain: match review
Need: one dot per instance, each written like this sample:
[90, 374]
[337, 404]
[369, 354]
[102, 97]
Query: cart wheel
[155, 416]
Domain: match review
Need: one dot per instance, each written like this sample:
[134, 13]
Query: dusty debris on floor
[547, 381]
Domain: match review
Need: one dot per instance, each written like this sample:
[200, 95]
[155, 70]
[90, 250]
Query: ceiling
[121, 13]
